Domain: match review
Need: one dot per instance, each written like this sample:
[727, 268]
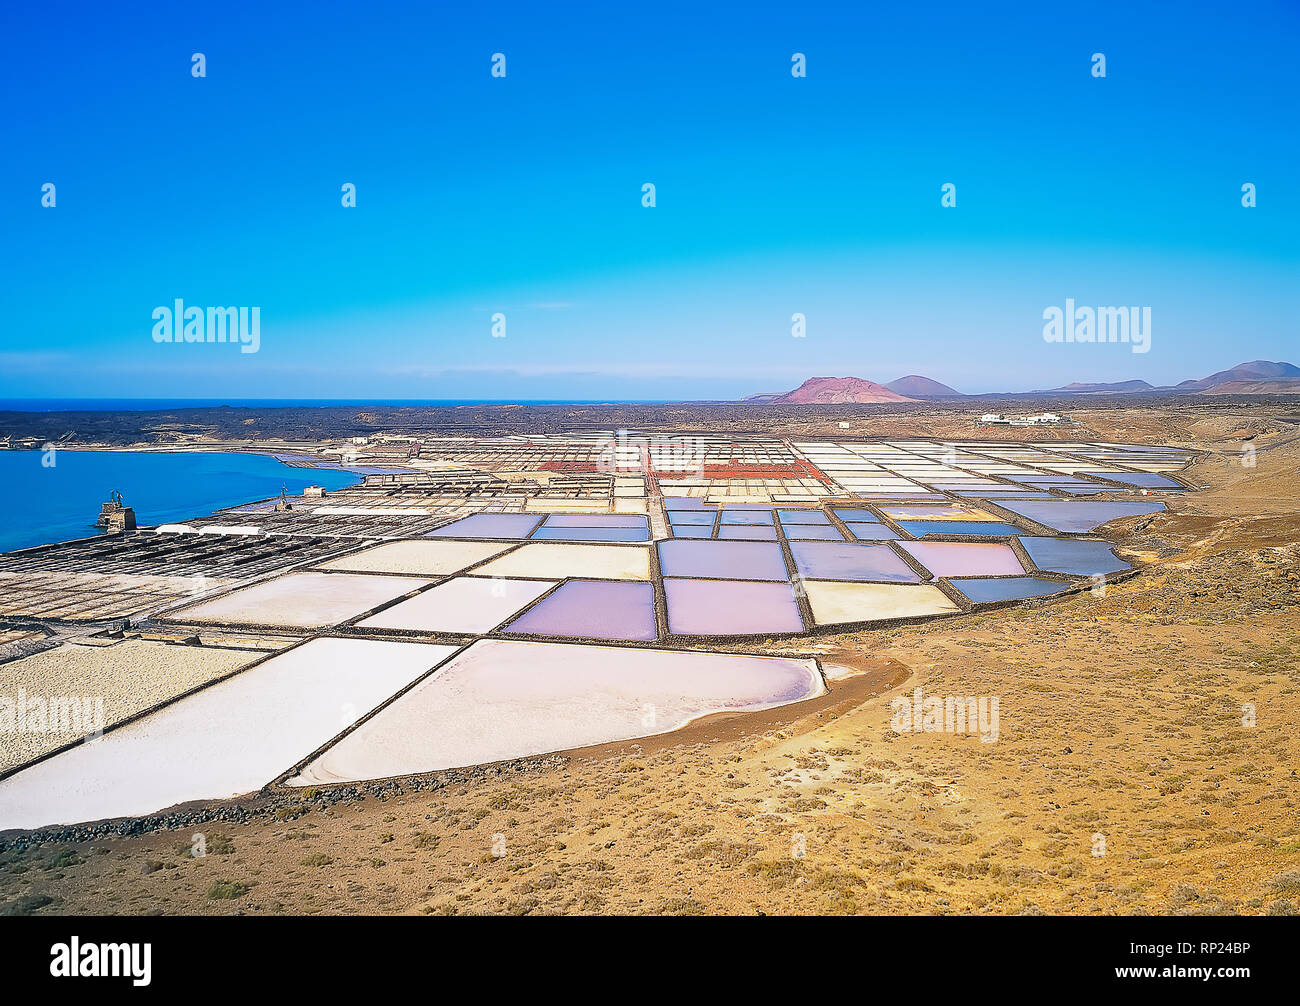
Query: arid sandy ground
[1122, 724]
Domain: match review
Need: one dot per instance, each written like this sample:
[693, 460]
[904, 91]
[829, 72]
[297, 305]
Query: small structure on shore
[114, 516]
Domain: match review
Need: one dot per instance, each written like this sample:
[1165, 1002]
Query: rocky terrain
[234, 428]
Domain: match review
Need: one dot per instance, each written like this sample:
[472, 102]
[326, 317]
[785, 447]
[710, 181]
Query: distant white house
[1043, 419]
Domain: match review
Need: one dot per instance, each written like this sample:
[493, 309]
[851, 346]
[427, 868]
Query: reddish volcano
[839, 391]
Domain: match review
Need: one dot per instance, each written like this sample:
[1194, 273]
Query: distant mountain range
[1119, 387]
[1269, 378]
[1259, 377]
[1257, 372]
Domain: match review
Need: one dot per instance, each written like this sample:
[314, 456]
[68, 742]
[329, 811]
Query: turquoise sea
[54, 496]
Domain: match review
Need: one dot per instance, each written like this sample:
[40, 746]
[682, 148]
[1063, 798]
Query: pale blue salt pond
[1007, 588]
[1079, 517]
[1073, 555]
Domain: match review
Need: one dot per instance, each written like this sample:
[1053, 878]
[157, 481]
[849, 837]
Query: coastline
[56, 496]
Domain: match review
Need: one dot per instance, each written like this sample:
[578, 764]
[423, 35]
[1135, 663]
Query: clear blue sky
[522, 195]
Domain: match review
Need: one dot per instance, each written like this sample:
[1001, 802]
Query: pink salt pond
[591, 609]
[959, 558]
[501, 699]
[730, 607]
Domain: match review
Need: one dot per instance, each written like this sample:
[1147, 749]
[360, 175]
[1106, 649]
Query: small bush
[226, 890]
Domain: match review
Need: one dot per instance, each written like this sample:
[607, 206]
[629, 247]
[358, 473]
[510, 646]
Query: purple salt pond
[730, 608]
[959, 558]
[489, 525]
[825, 560]
[724, 560]
[595, 520]
[802, 517]
[747, 532]
[1074, 518]
[812, 532]
[589, 609]
[746, 516]
[690, 517]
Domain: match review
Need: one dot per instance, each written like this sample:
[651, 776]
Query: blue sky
[522, 195]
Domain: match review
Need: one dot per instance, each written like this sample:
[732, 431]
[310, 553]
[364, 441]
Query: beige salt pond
[833, 602]
[421, 557]
[557, 561]
[104, 683]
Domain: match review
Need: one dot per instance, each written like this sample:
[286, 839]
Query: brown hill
[1261, 371]
[916, 386]
[839, 391]
[1279, 387]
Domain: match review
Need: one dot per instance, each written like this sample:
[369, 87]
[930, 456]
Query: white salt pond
[232, 738]
[502, 699]
[301, 600]
[465, 604]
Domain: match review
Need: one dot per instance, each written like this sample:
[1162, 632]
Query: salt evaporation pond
[501, 699]
[1073, 518]
[1078, 556]
[233, 737]
[1009, 588]
[590, 609]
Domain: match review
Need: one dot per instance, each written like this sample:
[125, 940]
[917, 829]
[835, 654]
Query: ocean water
[42, 502]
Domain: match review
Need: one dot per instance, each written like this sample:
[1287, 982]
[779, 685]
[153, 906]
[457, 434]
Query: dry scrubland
[1121, 716]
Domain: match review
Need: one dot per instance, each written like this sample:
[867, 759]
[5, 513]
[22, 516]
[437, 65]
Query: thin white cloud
[607, 369]
[34, 361]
